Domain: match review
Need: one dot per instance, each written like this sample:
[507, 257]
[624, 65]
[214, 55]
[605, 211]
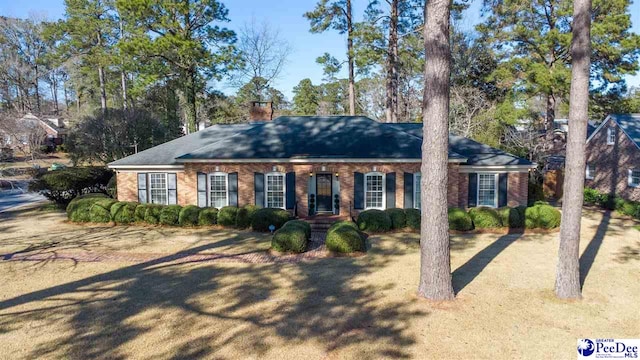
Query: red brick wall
[187, 182]
[613, 162]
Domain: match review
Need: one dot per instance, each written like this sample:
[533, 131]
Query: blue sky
[283, 14]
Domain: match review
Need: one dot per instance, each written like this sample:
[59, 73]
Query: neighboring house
[333, 165]
[53, 131]
[613, 156]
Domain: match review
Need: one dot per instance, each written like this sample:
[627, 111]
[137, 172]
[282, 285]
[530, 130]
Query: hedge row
[293, 236]
[540, 215]
[626, 207]
[344, 237]
[101, 209]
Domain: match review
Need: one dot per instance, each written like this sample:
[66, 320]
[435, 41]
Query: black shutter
[502, 189]
[258, 186]
[172, 187]
[390, 188]
[473, 190]
[233, 189]
[202, 189]
[408, 190]
[291, 190]
[358, 190]
[142, 188]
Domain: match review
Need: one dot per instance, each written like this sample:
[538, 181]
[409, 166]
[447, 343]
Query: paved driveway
[18, 196]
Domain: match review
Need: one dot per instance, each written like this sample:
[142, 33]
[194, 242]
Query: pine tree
[306, 98]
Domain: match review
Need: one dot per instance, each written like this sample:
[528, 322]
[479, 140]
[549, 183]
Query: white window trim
[284, 189]
[226, 179]
[587, 174]
[384, 190]
[495, 192]
[416, 185]
[610, 131]
[630, 179]
[166, 183]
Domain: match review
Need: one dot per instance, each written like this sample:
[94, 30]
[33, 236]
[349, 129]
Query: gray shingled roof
[313, 137]
[475, 152]
[630, 124]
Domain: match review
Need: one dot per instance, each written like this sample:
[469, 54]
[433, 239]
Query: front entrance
[323, 193]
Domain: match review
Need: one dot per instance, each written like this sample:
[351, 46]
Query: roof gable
[628, 123]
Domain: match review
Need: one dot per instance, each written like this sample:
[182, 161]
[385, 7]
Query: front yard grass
[362, 307]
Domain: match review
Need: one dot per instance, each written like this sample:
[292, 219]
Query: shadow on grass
[467, 272]
[591, 251]
[219, 306]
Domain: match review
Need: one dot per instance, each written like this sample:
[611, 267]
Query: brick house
[315, 165]
[613, 156]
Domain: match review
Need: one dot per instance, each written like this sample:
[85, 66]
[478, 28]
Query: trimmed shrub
[344, 238]
[512, 217]
[293, 236]
[630, 208]
[485, 218]
[100, 211]
[398, 218]
[244, 215]
[262, 218]
[342, 224]
[112, 187]
[189, 216]
[227, 216]
[78, 209]
[374, 221]
[208, 217]
[591, 196]
[542, 216]
[124, 212]
[413, 218]
[62, 186]
[152, 214]
[459, 220]
[141, 210]
[170, 215]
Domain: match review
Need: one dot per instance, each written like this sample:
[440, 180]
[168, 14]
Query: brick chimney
[261, 111]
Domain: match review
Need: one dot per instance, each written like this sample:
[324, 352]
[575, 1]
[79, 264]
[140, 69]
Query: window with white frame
[374, 191]
[634, 177]
[611, 136]
[158, 188]
[416, 190]
[590, 171]
[218, 190]
[275, 190]
[487, 192]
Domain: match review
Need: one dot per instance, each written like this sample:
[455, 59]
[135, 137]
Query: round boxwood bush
[342, 224]
[170, 215]
[244, 215]
[100, 211]
[413, 218]
[542, 216]
[141, 210]
[459, 220]
[262, 218]
[374, 221]
[208, 217]
[78, 209]
[124, 212]
[511, 217]
[227, 216]
[189, 216]
[152, 213]
[344, 239]
[398, 218]
[485, 218]
[292, 237]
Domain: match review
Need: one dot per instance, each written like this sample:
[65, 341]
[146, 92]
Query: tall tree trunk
[36, 85]
[123, 75]
[352, 81]
[54, 93]
[568, 271]
[435, 267]
[192, 121]
[66, 96]
[549, 118]
[391, 107]
[103, 90]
